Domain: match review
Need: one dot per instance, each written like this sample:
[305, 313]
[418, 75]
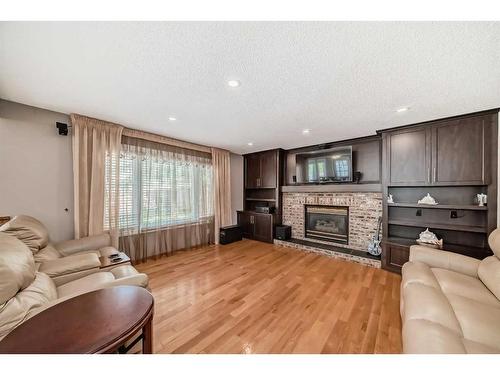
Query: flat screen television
[324, 166]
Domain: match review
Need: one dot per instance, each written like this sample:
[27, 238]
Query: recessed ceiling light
[250, 143]
[171, 118]
[233, 83]
[306, 131]
[402, 109]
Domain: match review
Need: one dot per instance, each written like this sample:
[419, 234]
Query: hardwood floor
[253, 297]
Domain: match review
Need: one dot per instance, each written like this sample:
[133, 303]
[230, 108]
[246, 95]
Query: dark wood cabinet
[261, 170]
[257, 226]
[394, 256]
[252, 167]
[458, 152]
[409, 157]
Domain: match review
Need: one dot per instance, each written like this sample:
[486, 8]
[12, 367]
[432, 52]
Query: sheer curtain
[166, 198]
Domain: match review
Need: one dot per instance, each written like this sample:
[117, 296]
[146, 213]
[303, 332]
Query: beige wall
[236, 184]
[36, 175]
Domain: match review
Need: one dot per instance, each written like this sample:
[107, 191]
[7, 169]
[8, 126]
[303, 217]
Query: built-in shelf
[261, 199]
[480, 252]
[455, 227]
[441, 206]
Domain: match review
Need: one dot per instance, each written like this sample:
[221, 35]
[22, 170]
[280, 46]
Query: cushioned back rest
[49, 252]
[17, 267]
[29, 230]
[26, 303]
[489, 274]
[494, 242]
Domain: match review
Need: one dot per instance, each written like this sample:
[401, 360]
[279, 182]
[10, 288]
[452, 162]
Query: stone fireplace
[359, 210]
[327, 223]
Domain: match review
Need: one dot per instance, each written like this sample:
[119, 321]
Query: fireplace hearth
[327, 223]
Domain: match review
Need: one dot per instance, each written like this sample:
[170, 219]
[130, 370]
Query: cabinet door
[409, 157]
[263, 227]
[269, 169]
[394, 256]
[459, 152]
[252, 164]
[245, 221]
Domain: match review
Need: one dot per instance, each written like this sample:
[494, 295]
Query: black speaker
[62, 128]
[229, 234]
[283, 232]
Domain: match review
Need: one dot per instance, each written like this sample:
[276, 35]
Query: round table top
[89, 323]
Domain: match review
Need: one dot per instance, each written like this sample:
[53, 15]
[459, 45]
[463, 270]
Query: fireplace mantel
[333, 188]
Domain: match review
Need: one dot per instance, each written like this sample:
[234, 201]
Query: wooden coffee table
[107, 262]
[102, 321]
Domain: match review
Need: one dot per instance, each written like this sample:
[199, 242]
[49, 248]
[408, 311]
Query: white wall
[236, 184]
[36, 175]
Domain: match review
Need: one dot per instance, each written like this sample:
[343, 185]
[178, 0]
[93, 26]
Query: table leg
[147, 337]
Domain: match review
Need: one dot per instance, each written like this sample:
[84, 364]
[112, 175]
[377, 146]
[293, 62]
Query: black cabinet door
[409, 157]
[268, 169]
[245, 221]
[263, 227]
[252, 168]
[459, 151]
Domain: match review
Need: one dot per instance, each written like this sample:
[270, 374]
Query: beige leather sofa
[24, 291]
[450, 303]
[63, 261]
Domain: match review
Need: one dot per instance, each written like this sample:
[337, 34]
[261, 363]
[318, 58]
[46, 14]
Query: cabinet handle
[429, 174]
[258, 182]
[434, 174]
[251, 219]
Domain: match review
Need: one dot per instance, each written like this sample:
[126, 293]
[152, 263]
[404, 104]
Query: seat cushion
[70, 264]
[462, 285]
[26, 303]
[49, 252]
[29, 230]
[17, 267]
[85, 284]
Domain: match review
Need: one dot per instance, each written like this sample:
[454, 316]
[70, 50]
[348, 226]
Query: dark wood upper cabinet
[409, 157]
[268, 169]
[261, 170]
[252, 175]
[458, 152]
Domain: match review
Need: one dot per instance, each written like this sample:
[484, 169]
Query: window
[161, 188]
[342, 168]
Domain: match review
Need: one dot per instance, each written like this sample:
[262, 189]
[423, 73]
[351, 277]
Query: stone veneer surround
[364, 211]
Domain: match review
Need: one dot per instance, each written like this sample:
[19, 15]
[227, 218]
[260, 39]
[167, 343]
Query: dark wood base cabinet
[257, 226]
[394, 256]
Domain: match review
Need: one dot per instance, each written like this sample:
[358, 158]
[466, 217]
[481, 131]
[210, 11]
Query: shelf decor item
[427, 238]
[427, 200]
[390, 199]
[482, 199]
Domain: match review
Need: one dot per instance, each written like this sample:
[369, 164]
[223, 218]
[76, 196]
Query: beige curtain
[96, 152]
[222, 189]
[166, 195]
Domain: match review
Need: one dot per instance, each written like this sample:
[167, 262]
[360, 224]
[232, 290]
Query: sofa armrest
[83, 244]
[139, 279]
[444, 259]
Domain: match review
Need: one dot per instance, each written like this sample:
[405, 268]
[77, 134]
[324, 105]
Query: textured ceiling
[339, 79]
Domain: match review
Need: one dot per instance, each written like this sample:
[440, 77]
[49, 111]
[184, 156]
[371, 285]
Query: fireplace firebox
[327, 223]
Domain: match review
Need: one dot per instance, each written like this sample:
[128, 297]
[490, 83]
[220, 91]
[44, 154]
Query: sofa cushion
[423, 302]
[70, 264]
[49, 252]
[418, 272]
[494, 242]
[29, 230]
[423, 337]
[17, 267]
[26, 303]
[85, 284]
[479, 322]
[489, 273]
[462, 285]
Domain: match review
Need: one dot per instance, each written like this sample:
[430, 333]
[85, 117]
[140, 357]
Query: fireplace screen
[327, 223]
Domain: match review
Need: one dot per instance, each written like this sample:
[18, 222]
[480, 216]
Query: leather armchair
[24, 291]
[450, 303]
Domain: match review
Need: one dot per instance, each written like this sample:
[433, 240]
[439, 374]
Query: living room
[249, 187]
